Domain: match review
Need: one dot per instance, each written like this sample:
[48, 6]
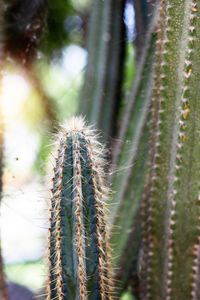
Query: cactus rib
[78, 253]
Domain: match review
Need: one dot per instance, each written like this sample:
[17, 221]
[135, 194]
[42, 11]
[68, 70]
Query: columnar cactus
[170, 255]
[143, 12]
[101, 93]
[130, 157]
[78, 245]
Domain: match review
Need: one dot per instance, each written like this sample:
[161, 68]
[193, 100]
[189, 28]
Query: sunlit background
[28, 142]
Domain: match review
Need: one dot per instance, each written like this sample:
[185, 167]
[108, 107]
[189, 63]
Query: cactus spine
[78, 247]
[170, 259]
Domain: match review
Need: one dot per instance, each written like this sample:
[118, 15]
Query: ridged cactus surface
[78, 245]
[171, 245]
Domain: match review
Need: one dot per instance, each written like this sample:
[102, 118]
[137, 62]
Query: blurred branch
[47, 103]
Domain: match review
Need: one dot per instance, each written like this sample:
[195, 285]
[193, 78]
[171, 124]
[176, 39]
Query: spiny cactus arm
[173, 179]
[78, 256]
[101, 90]
[146, 205]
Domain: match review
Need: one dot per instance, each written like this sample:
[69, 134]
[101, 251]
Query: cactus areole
[78, 258]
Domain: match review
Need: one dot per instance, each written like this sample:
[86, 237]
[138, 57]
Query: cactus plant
[167, 266]
[143, 12]
[130, 158]
[170, 255]
[101, 93]
[78, 243]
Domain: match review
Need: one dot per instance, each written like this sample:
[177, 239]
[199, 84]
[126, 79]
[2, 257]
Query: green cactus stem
[101, 93]
[78, 244]
[143, 12]
[130, 159]
[130, 154]
[170, 255]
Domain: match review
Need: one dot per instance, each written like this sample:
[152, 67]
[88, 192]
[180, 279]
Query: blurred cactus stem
[130, 158]
[78, 243]
[170, 258]
[143, 12]
[101, 93]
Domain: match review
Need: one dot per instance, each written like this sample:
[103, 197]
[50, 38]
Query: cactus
[78, 242]
[143, 12]
[130, 158]
[101, 93]
[171, 243]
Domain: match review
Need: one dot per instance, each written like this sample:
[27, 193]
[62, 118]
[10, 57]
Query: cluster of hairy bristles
[82, 139]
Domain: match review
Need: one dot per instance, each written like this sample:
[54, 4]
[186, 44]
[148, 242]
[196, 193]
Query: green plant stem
[130, 161]
[170, 262]
[133, 136]
[101, 91]
[78, 244]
